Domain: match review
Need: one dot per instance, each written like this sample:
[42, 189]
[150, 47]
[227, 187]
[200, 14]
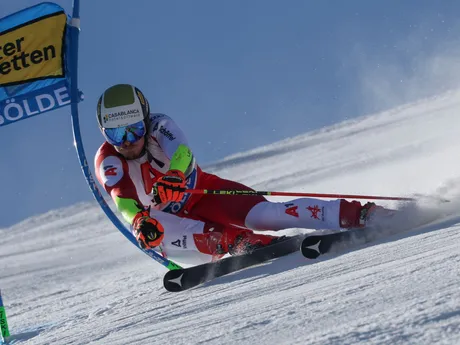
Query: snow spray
[4, 331]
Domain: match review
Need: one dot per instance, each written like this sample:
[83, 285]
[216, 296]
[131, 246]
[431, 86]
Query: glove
[149, 232]
[170, 187]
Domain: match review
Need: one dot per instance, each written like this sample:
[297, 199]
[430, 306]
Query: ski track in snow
[69, 277]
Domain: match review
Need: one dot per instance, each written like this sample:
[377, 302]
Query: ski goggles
[131, 133]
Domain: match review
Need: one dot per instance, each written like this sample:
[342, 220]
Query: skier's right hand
[148, 231]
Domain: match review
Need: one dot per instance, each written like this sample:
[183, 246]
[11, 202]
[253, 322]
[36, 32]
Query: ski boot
[218, 241]
[354, 215]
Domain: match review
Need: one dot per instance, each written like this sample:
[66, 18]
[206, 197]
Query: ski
[311, 247]
[315, 245]
[186, 278]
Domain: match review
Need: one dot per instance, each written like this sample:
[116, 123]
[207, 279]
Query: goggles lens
[131, 133]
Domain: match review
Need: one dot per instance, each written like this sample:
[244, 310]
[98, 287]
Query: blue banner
[34, 56]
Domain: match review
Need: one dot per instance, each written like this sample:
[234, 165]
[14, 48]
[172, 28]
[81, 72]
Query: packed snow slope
[69, 277]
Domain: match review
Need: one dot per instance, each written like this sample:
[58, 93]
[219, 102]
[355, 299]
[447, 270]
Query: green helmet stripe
[119, 95]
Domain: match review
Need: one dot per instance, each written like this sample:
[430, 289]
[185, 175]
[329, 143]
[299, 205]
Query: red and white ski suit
[130, 182]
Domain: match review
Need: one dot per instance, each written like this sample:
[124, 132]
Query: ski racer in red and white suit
[193, 228]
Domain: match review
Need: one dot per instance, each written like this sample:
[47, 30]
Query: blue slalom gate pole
[75, 96]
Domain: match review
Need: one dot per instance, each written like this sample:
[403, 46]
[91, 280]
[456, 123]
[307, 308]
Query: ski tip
[310, 254]
[310, 247]
[172, 281]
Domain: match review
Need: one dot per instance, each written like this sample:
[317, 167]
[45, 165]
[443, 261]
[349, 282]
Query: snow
[69, 277]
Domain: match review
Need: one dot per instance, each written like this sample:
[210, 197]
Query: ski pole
[311, 195]
[4, 331]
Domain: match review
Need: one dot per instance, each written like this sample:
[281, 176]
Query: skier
[146, 165]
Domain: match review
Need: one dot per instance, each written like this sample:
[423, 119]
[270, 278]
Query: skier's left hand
[148, 231]
[170, 187]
